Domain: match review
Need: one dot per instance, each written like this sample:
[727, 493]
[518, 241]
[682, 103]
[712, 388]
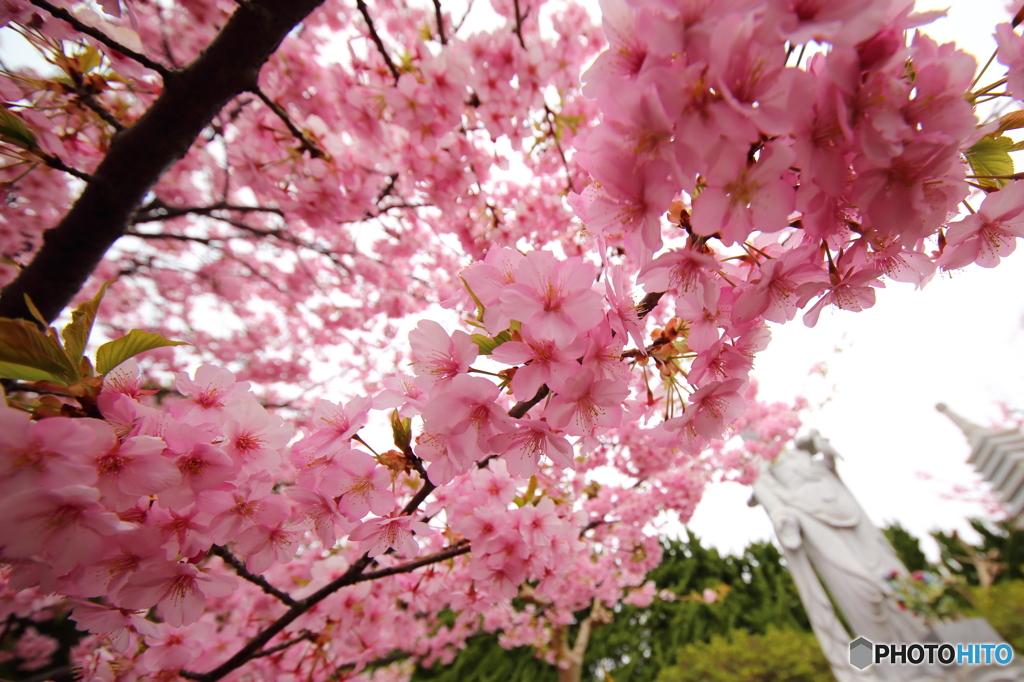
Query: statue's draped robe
[827, 538]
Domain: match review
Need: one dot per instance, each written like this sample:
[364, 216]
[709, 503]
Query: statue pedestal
[976, 631]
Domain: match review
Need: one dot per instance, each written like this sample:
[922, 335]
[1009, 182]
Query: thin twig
[88, 100]
[257, 580]
[307, 635]
[550, 117]
[168, 235]
[306, 145]
[157, 210]
[103, 38]
[458, 549]
[55, 163]
[376, 39]
[519, 25]
[458, 26]
[352, 576]
[440, 22]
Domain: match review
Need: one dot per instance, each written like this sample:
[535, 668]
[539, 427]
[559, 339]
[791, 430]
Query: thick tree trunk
[140, 155]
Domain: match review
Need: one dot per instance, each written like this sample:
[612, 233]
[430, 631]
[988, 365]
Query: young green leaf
[113, 353]
[989, 156]
[10, 370]
[22, 343]
[76, 334]
[487, 345]
[35, 312]
[479, 305]
[401, 430]
[14, 131]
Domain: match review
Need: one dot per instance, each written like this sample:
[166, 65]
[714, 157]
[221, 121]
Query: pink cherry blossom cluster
[401, 155]
[166, 506]
[791, 183]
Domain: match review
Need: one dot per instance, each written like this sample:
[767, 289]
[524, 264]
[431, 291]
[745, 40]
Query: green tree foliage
[1002, 548]
[641, 641]
[775, 656]
[908, 547]
[687, 639]
[483, 660]
[1002, 605]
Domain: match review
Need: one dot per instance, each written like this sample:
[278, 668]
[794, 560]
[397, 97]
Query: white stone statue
[832, 548]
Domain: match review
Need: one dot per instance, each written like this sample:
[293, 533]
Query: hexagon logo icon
[861, 653]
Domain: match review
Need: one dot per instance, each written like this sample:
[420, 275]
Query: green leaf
[35, 312]
[479, 305]
[989, 156]
[401, 430]
[21, 343]
[487, 345]
[113, 353]
[76, 333]
[90, 59]
[14, 131]
[10, 370]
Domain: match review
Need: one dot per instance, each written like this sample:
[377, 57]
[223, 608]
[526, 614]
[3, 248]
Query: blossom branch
[88, 100]
[305, 144]
[461, 547]
[550, 117]
[519, 25]
[440, 22]
[103, 38]
[305, 636]
[55, 163]
[157, 210]
[376, 38]
[520, 409]
[355, 574]
[257, 580]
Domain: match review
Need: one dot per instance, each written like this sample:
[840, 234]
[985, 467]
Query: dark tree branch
[157, 210]
[355, 574]
[520, 409]
[88, 100]
[458, 549]
[519, 25]
[103, 38]
[258, 580]
[55, 163]
[376, 39]
[648, 303]
[305, 636]
[305, 144]
[137, 158]
[469, 7]
[440, 22]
